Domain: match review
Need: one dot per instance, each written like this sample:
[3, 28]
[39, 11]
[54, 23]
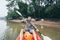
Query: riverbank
[47, 23]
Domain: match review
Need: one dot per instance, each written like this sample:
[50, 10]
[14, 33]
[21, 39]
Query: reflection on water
[53, 33]
[2, 29]
[10, 30]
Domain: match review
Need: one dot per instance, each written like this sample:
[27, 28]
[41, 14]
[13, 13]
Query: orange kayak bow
[28, 36]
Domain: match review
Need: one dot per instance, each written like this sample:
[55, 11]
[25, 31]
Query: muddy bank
[47, 23]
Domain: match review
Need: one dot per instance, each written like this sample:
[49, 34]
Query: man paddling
[30, 27]
[29, 24]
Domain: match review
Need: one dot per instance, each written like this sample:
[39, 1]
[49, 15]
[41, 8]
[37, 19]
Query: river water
[10, 30]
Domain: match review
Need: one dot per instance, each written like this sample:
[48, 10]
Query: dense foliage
[34, 8]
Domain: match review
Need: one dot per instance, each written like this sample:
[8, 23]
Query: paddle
[23, 18]
[19, 14]
[43, 36]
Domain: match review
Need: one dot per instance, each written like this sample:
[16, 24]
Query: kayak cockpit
[28, 36]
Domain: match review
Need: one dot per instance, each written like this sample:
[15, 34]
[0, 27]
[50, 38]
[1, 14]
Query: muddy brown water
[10, 30]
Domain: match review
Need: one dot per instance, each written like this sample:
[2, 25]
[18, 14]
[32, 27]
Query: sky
[3, 8]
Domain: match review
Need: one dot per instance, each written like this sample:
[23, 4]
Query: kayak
[29, 36]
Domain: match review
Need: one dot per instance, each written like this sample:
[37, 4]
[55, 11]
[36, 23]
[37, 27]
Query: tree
[36, 8]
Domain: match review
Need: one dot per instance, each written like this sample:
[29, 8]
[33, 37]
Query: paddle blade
[19, 13]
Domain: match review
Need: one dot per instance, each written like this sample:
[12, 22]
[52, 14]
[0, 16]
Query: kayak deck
[27, 36]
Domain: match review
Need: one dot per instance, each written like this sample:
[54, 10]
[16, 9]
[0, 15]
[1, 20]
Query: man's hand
[37, 30]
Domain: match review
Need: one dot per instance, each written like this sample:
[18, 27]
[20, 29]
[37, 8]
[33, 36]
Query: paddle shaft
[23, 18]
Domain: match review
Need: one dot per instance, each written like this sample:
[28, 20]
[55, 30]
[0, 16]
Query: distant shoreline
[46, 23]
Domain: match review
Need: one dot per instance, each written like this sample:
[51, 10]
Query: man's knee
[32, 31]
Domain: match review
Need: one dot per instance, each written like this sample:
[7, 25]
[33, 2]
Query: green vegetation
[34, 8]
[13, 15]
